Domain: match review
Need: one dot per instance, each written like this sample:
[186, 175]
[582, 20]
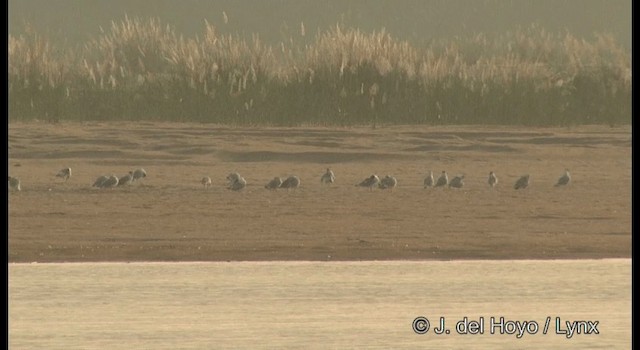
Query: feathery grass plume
[140, 69]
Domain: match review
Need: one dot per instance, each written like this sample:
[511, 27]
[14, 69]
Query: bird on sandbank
[522, 182]
[274, 184]
[126, 179]
[206, 182]
[64, 173]
[443, 180]
[564, 179]
[428, 181]
[291, 182]
[370, 182]
[493, 179]
[236, 182]
[388, 182]
[14, 183]
[138, 174]
[457, 182]
[328, 177]
[111, 181]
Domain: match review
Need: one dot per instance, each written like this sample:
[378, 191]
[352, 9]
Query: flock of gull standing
[103, 181]
[108, 181]
[237, 182]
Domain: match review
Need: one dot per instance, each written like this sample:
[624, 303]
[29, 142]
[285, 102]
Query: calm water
[341, 305]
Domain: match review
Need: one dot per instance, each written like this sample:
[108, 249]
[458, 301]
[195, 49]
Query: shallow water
[293, 305]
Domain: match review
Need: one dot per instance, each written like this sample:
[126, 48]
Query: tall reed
[140, 69]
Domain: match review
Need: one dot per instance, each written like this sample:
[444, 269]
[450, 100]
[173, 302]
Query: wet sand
[169, 216]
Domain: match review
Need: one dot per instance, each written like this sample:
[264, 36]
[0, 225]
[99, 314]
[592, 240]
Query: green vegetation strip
[139, 69]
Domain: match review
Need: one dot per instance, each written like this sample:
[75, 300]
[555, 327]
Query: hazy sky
[414, 20]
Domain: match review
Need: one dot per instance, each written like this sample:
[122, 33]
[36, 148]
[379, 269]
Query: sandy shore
[169, 216]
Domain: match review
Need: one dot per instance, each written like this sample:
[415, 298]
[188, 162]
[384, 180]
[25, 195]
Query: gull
[126, 179]
[388, 182]
[206, 182]
[493, 179]
[14, 183]
[428, 181]
[274, 184]
[291, 182]
[99, 181]
[138, 174]
[370, 182]
[457, 182]
[112, 181]
[443, 180]
[236, 182]
[522, 182]
[564, 179]
[64, 173]
[328, 177]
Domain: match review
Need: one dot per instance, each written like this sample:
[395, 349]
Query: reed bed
[140, 69]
